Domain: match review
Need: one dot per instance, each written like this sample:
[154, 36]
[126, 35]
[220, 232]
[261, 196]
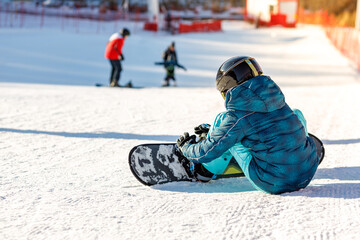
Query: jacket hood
[259, 94]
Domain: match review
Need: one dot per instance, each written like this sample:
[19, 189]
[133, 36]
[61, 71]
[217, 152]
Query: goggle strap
[252, 67]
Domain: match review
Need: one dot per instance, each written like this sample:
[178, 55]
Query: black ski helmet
[235, 71]
[125, 32]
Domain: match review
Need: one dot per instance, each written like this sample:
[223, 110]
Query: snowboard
[162, 163]
[128, 85]
[169, 63]
[320, 149]
[157, 163]
[153, 164]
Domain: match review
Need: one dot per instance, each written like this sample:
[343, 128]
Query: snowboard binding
[196, 171]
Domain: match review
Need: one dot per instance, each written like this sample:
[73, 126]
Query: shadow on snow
[108, 135]
[348, 189]
[342, 141]
[227, 185]
[347, 186]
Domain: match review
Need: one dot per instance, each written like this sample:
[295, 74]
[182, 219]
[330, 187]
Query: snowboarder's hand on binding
[185, 139]
[202, 130]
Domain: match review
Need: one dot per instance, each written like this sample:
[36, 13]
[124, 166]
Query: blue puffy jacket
[281, 157]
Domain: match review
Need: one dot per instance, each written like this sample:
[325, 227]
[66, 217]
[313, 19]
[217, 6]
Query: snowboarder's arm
[165, 55]
[223, 137]
[175, 56]
[117, 50]
[118, 46]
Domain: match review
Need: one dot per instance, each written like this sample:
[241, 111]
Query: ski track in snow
[64, 149]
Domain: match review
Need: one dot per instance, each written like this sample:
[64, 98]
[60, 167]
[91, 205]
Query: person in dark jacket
[114, 53]
[170, 60]
[267, 138]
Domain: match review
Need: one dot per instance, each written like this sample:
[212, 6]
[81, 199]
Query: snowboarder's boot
[165, 84]
[196, 170]
[114, 84]
[129, 85]
[202, 174]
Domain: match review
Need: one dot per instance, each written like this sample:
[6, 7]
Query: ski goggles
[239, 70]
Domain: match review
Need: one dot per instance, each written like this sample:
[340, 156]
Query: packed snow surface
[64, 143]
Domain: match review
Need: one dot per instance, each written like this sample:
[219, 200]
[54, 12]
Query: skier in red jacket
[113, 52]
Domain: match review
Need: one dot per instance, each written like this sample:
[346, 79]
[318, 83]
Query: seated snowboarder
[267, 138]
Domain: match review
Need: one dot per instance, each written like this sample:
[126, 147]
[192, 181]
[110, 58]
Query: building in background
[272, 12]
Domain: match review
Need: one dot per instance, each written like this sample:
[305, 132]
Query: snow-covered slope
[64, 143]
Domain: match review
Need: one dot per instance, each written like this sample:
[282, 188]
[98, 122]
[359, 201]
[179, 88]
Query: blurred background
[167, 18]
[343, 12]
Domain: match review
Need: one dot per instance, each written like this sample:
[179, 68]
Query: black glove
[202, 130]
[185, 139]
[122, 57]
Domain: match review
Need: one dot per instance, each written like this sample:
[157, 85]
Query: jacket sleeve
[119, 45]
[222, 138]
[165, 55]
[175, 56]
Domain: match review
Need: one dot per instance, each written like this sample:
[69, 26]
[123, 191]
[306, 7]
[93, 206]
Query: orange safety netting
[198, 26]
[346, 39]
